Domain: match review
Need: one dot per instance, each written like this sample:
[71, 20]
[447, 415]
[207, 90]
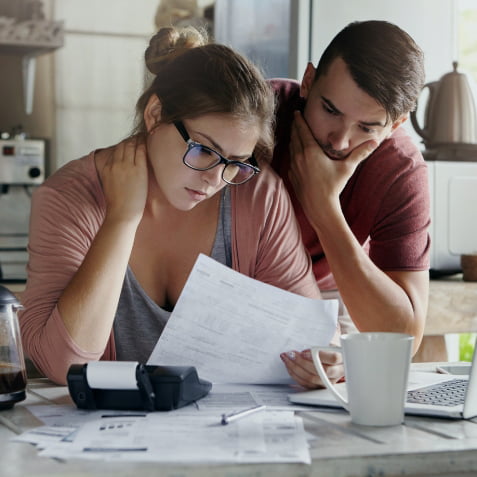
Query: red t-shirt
[386, 201]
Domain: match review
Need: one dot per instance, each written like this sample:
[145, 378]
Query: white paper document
[161, 437]
[233, 328]
[188, 435]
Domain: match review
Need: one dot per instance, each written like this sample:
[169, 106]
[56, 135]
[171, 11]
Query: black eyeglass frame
[222, 160]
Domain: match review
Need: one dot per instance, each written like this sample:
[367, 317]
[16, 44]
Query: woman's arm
[78, 258]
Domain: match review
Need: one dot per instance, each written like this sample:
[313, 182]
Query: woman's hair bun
[170, 42]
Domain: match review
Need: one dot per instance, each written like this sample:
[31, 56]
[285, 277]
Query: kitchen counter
[452, 309]
[452, 306]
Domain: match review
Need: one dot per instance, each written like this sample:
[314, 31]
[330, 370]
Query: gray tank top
[139, 321]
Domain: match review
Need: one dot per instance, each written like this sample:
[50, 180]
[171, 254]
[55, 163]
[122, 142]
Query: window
[466, 37]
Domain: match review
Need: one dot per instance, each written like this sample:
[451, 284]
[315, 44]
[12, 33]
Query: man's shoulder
[287, 93]
[399, 151]
[285, 86]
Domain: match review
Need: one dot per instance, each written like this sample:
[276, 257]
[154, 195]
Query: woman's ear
[152, 113]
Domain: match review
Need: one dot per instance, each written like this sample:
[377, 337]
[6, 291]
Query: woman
[114, 235]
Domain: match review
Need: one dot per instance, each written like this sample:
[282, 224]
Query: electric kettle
[451, 113]
[12, 362]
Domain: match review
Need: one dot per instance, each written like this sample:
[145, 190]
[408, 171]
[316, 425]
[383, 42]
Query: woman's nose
[214, 176]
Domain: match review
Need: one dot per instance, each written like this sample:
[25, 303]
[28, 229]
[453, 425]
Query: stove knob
[34, 172]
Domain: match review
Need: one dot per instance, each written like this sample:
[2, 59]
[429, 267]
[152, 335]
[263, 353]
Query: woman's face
[182, 186]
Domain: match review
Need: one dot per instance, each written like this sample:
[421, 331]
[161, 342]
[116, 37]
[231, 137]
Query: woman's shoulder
[263, 196]
[77, 179]
[72, 194]
[264, 187]
[82, 169]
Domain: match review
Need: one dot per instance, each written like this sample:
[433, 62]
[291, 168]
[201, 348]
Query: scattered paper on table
[189, 437]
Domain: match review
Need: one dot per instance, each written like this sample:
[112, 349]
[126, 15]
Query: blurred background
[71, 72]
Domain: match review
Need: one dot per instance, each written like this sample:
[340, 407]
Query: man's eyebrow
[336, 110]
[372, 123]
[331, 105]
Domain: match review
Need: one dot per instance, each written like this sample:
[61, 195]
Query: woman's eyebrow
[219, 149]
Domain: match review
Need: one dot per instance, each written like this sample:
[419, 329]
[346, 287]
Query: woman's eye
[205, 151]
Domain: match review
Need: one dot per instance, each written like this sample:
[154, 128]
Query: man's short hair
[383, 60]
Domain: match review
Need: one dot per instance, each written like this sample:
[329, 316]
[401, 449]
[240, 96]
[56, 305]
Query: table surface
[421, 446]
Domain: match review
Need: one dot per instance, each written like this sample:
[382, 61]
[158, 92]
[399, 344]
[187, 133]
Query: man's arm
[376, 300]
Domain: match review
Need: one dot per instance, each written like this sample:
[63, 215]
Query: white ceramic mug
[376, 372]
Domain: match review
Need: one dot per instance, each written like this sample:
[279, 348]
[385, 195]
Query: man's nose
[339, 139]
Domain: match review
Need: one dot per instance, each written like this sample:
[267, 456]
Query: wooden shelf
[27, 49]
[31, 38]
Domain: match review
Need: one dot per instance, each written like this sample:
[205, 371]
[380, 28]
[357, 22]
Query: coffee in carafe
[12, 362]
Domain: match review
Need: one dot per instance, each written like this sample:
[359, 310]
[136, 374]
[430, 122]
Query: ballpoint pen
[227, 418]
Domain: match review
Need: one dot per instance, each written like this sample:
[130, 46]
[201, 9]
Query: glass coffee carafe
[12, 361]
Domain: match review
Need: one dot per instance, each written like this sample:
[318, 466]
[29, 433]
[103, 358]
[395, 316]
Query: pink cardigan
[67, 211]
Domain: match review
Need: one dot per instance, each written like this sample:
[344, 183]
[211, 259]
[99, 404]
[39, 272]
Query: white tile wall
[99, 73]
[112, 16]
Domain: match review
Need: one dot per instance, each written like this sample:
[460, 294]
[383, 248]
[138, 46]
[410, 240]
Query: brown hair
[383, 60]
[193, 78]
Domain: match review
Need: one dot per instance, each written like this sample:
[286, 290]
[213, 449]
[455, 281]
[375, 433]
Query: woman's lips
[196, 194]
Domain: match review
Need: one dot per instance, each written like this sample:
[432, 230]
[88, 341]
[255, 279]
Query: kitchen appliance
[22, 168]
[450, 113]
[450, 137]
[12, 362]
[453, 230]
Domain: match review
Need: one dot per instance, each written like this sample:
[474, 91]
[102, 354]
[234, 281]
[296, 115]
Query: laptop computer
[429, 394]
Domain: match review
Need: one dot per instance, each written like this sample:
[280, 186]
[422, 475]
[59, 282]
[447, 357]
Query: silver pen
[227, 418]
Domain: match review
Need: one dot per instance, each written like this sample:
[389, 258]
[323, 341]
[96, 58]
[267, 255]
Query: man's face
[341, 115]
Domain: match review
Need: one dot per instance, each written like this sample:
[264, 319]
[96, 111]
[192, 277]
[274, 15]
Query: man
[358, 184]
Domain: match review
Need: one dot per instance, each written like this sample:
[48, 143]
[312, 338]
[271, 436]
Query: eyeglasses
[203, 158]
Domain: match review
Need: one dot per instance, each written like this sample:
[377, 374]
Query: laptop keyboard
[448, 393]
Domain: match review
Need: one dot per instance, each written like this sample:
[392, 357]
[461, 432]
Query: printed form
[233, 328]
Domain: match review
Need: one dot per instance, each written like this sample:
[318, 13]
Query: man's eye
[367, 130]
[329, 110]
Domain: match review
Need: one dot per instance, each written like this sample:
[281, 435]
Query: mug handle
[319, 367]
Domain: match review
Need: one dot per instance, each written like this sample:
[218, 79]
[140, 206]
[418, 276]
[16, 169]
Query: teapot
[12, 362]
[450, 114]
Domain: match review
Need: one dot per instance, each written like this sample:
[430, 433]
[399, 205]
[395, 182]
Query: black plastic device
[159, 388]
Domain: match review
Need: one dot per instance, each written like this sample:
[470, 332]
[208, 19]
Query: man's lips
[335, 157]
[333, 154]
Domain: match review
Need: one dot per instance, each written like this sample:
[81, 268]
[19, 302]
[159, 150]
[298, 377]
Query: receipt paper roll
[112, 374]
